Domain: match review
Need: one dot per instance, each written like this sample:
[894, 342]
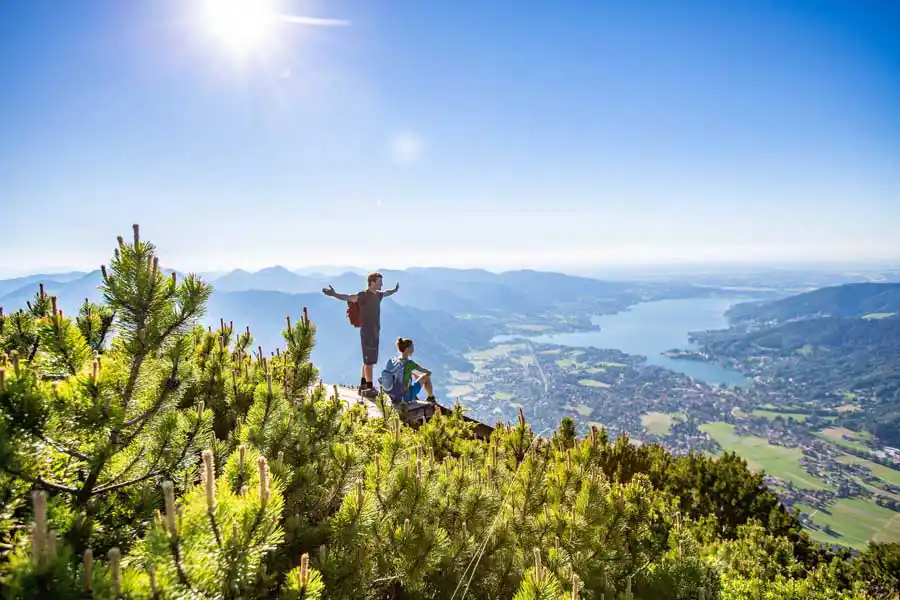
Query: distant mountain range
[9, 286]
[855, 300]
[458, 291]
[70, 288]
[440, 337]
[435, 306]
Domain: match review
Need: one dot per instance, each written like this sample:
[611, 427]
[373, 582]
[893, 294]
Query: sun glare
[242, 25]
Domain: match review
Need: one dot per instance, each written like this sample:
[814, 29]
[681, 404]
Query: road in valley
[540, 369]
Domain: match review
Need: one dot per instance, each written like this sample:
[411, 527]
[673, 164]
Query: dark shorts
[369, 349]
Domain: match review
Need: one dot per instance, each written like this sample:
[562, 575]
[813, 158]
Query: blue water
[650, 328]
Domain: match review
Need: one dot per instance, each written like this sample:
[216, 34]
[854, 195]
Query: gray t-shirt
[370, 313]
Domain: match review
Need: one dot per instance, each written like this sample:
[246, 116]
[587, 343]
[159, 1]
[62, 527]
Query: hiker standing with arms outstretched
[364, 311]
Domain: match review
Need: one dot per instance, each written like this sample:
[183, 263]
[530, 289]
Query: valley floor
[827, 473]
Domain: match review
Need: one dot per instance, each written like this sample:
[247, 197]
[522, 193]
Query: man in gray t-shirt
[369, 301]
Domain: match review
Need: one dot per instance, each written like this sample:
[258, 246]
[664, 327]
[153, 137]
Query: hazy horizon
[568, 136]
[681, 269]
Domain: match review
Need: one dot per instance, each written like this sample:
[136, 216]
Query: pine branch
[190, 441]
[123, 472]
[115, 486]
[90, 482]
[153, 470]
[176, 556]
[180, 322]
[215, 527]
[143, 348]
[63, 348]
[140, 356]
[260, 515]
[130, 383]
[106, 325]
[86, 311]
[325, 502]
[170, 386]
[88, 489]
[142, 311]
[40, 481]
[60, 448]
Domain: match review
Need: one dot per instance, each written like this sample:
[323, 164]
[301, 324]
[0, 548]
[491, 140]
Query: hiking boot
[431, 400]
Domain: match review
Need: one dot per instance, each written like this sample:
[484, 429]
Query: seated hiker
[403, 378]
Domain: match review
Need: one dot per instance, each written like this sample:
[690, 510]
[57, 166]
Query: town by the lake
[846, 490]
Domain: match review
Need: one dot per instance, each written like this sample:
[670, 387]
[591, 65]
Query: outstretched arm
[391, 292]
[329, 291]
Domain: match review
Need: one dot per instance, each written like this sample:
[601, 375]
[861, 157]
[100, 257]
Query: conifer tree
[113, 437]
[98, 427]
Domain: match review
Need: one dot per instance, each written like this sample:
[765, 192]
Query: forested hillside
[841, 338]
[827, 353]
[878, 300]
[142, 456]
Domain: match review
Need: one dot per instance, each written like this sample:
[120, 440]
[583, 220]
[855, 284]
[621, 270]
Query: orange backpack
[354, 312]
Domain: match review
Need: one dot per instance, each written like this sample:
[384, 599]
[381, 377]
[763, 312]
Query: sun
[242, 25]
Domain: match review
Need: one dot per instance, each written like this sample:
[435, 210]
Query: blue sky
[496, 134]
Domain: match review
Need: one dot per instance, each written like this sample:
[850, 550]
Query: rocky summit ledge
[350, 398]
[416, 413]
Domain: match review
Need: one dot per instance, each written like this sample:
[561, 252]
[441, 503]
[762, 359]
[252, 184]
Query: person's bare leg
[367, 372]
[426, 383]
[362, 378]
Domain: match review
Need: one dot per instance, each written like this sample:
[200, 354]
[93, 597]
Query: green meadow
[760, 455]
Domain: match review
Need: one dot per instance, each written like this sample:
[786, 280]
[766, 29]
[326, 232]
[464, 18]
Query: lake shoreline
[654, 331]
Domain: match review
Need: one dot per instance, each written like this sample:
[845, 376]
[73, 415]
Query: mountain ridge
[436, 306]
[852, 300]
